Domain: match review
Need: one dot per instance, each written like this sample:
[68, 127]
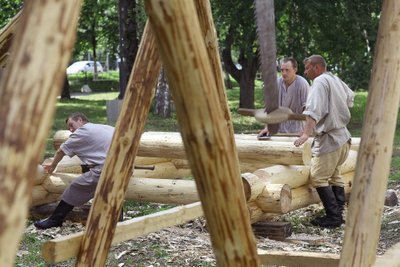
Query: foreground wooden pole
[209, 144]
[44, 41]
[375, 152]
[119, 164]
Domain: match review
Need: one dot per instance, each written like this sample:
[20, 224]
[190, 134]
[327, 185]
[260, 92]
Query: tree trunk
[246, 84]
[265, 17]
[128, 42]
[65, 94]
[163, 98]
[244, 76]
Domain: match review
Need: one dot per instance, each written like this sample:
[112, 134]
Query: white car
[84, 66]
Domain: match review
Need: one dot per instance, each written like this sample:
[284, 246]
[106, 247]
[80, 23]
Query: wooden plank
[29, 86]
[66, 247]
[391, 258]
[298, 259]
[375, 153]
[118, 167]
[209, 145]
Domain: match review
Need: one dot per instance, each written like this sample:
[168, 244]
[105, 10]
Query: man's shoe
[333, 217]
[47, 223]
[57, 218]
[327, 222]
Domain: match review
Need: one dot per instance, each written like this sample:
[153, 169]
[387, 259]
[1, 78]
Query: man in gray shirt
[293, 92]
[328, 114]
[90, 142]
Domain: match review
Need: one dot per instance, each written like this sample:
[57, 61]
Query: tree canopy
[343, 31]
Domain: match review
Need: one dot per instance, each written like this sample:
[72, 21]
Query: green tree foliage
[234, 20]
[97, 29]
[9, 8]
[343, 31]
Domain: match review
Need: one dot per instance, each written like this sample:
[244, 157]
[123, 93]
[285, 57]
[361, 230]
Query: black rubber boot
[333, 217]
[340, 197]
[57, 218]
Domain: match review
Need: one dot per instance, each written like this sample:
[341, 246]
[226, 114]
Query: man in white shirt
[90, 142]
[328, 114]
[293, 92]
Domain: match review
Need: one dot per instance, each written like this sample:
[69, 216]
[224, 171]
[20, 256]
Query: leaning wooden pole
[117, 171]
[209, 144]
[43, 41]
[7, 34]
[375, 152]
[210, 37]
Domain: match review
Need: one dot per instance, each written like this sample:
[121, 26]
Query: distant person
[293, 92]
[90, 142]
[328, 114]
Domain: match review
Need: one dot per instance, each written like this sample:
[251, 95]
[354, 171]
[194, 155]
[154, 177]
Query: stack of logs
[275, 174]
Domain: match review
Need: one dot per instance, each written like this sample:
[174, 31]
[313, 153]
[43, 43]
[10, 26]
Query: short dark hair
[292, 60]
[77, 115]
[316, 60]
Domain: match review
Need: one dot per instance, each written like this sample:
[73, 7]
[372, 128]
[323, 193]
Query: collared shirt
[90, 143]
[328, 104]
[294, 97]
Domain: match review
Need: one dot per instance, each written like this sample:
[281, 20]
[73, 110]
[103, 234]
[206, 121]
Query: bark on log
[117, 170]
[375, 152]
[43, 41]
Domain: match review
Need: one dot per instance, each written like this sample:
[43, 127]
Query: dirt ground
[189, 244]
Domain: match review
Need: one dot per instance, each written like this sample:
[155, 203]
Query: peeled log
[41, 196]
[350, 163]
[253, 186]
[275, 198]
[169, 145]
[40, 175]
[164, 169]
[168, 191]
[162, 191]
[292, 175]
[248, 151]
[256, 214]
